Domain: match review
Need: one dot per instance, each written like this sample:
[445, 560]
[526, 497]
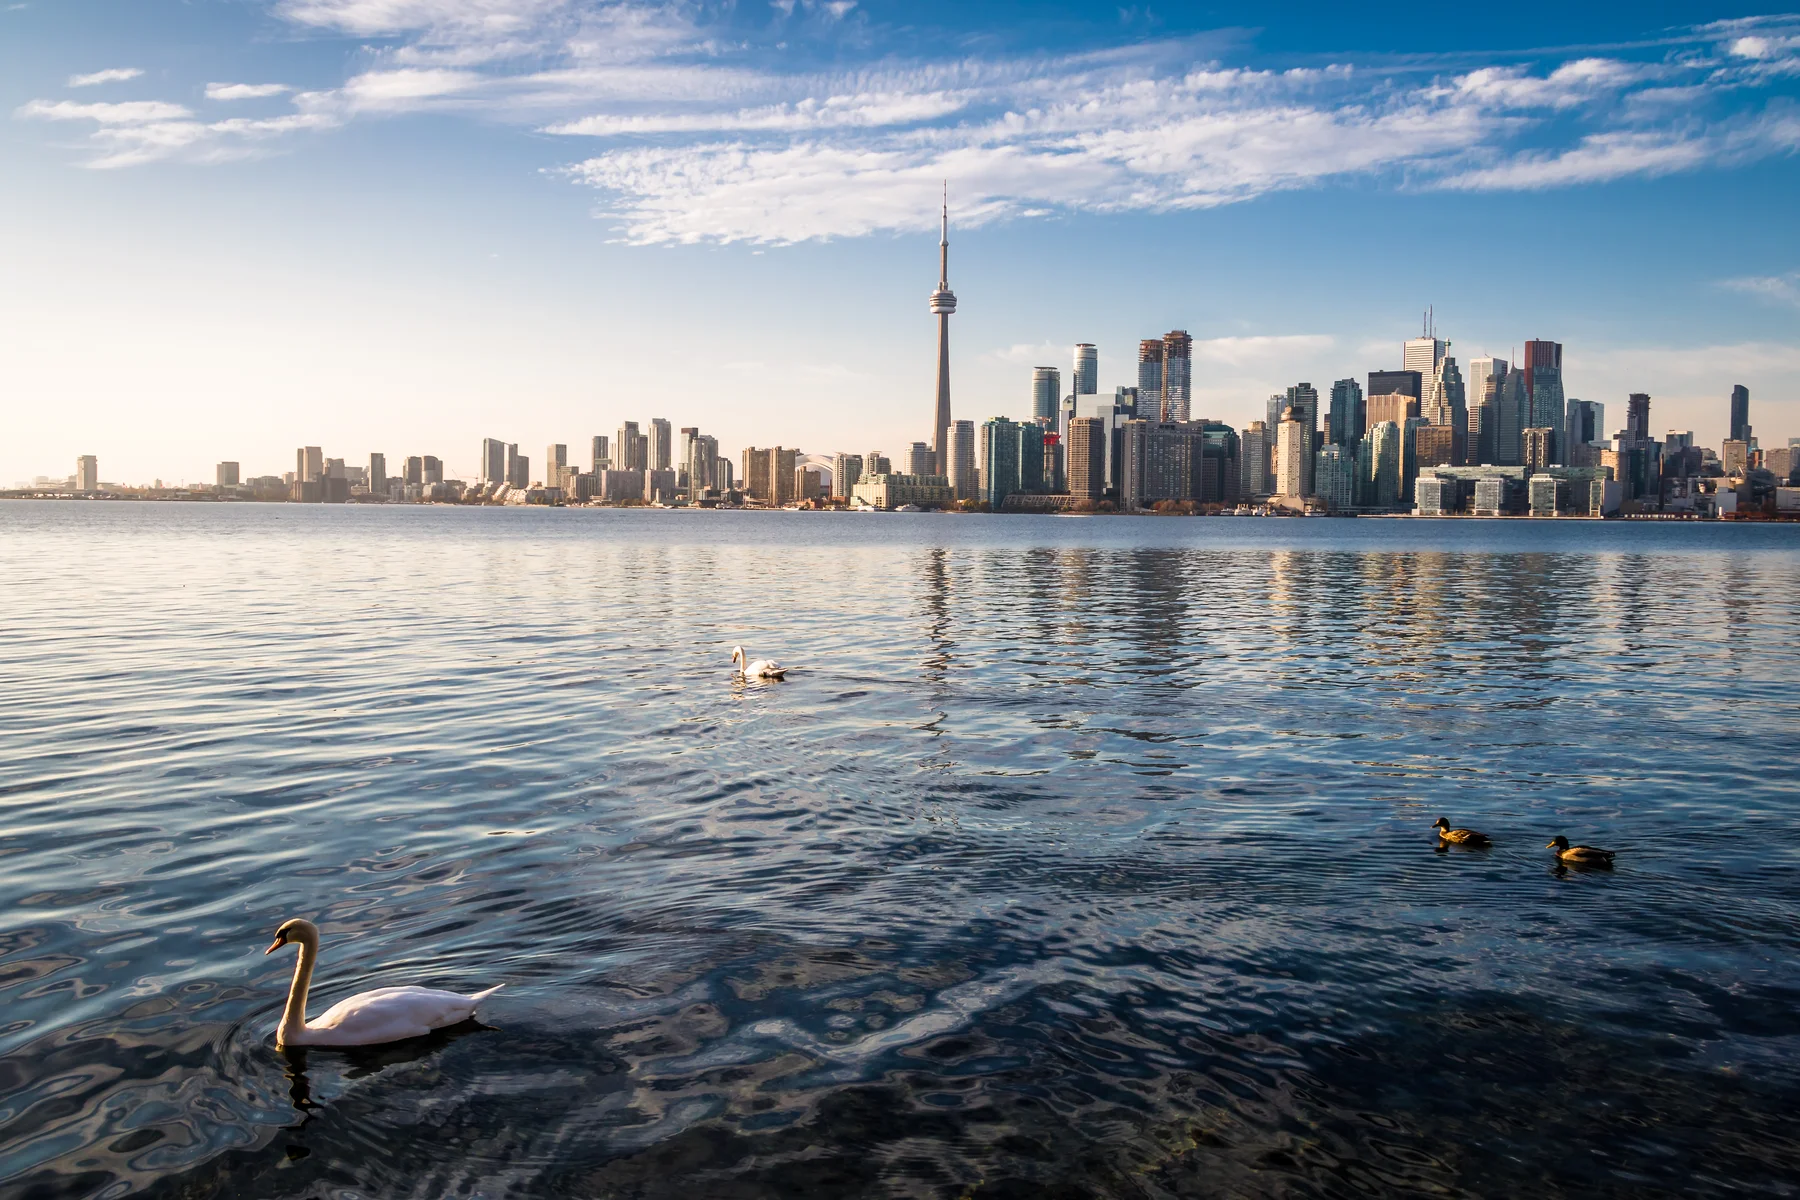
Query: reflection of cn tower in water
[943, 303]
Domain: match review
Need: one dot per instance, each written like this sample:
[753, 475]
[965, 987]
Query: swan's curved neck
[293, 1017]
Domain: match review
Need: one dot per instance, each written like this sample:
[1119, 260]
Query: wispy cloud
[110, 75]
[1782, 289]
[244, 91]
[698, 135]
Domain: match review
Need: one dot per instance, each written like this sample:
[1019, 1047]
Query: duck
[1591, 856]
[389, 1014]
[1460, 837]
[762, 668]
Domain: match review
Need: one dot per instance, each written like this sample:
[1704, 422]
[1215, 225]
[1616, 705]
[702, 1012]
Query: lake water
[1075, 857]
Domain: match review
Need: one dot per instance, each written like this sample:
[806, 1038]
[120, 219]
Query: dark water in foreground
[1082, 857]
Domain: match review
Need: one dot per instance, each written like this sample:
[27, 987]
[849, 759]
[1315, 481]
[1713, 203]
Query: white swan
[389, 1014]
[762, 668]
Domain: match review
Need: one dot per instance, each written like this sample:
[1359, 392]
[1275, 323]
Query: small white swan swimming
[389, 1014]
[762, 668]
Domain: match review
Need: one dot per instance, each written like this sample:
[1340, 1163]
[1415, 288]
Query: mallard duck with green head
[1460, 837]
[1591, 856]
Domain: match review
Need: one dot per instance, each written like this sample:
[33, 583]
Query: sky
[229, 228]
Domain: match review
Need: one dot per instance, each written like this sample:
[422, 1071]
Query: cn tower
[943, 303]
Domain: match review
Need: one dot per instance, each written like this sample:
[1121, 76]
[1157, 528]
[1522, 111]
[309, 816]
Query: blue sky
[231, 227]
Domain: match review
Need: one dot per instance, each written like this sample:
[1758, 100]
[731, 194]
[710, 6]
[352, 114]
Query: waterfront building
[1086, 381]
[226, 473]
[556, 461]
[1087, 457]
[964, 481]
[1740, 413]
[1434, 496]
[1150, 380]
[378, 482]
[616, 485]
[943, 304]
[888, 491]
[431, 470]
[846, 469]
[415, 470]
[1334, 477]
[756, 473]
[1347, 416]
[1000, 460]
[309, 464]
[781, 464]
[1498, 495]
[1435, 446]
[701, 465]
[921, 459]
[1177, 375]
[876, 463]
[600, 455]
[1046, 388]
[1126, 398]
[493, 461]
[87, 473]
[1031, 457]
[1293, 443]
[808, 484]
[1544, 389]
[518, 469]
[1256, 459]
[1487, 375]
[1734, 457]
[1384, 465]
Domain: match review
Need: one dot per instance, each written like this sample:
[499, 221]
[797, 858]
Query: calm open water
[1076, 857]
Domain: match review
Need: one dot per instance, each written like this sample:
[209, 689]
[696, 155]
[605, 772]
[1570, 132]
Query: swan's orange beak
[275, 945]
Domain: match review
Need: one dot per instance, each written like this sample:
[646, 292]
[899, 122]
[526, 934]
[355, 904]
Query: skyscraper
[1293, 446]
[87, 473]
[1384, 465]
[309, 464]
[1177, 375]
[943, 303]
[1512, 416]
[493, 460]
[377, 473]
[227, 475]
[556, 461]
[601, 457]
[1000, 473]
[661, 449]
[1544, 391]
[1256, 459]
[1046, 388]
[962, 459]
[626, 455]
[1446, 406]
[1303, 403]
[1424, 354]
[1087, 370]
[1487, 375]
[846, 469]
[1345, 419]
[1637, 417]
[1150, 379]
[1740, 413]
[1087, 458]
[1585, 423]
[921, 460]
[415, 470]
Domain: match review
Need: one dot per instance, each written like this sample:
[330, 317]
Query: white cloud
[1783, 289]
[699, 139]
[244, 91]
[111, 75]
[129, 112]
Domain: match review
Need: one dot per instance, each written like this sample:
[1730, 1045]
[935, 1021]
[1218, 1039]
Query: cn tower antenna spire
[943, 303]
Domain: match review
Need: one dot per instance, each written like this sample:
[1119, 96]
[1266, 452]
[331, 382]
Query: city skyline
[415, 259]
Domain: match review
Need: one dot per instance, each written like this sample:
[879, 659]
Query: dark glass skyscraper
[1740, 413]
[1344, 422]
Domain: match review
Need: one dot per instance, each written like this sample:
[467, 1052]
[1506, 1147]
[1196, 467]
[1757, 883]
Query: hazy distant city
[1423, 438]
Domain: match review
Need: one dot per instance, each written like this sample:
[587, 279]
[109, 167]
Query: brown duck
[1460, 837]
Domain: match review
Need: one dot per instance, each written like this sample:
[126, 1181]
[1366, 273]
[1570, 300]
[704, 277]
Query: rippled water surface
[1077, 857]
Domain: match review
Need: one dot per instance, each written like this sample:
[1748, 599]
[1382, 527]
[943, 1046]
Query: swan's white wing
[389, 1014]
